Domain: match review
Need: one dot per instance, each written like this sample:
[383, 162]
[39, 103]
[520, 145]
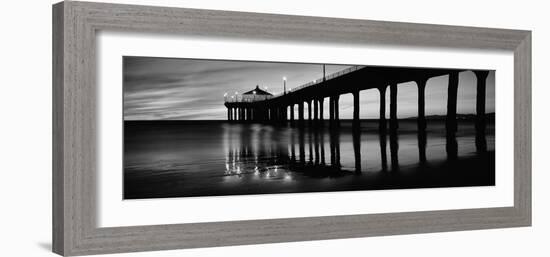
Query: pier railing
[240, 99]
[329, 77]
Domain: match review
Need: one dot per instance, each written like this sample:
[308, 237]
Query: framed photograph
[183, 128]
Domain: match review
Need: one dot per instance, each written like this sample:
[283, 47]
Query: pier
[275, 109]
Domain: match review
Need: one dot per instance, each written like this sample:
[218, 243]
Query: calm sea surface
[212, 158]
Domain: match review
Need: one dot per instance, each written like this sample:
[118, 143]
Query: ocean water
[216, 158]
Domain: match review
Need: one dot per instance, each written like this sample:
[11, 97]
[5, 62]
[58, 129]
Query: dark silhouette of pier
[353, 80]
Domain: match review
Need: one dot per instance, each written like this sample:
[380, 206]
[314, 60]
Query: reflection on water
[178, 158]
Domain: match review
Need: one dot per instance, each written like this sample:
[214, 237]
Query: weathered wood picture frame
[75, 24]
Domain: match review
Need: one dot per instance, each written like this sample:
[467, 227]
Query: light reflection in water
[256, 149]
[281, 152]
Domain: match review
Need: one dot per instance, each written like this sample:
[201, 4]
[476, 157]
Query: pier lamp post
[324, 74]
[284, 85]
[236, 96]
[254, 97]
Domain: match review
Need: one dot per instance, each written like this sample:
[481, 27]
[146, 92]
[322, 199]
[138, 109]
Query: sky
[191, 89]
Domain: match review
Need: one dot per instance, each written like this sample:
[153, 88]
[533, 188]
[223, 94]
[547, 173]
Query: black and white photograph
[195, 127]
